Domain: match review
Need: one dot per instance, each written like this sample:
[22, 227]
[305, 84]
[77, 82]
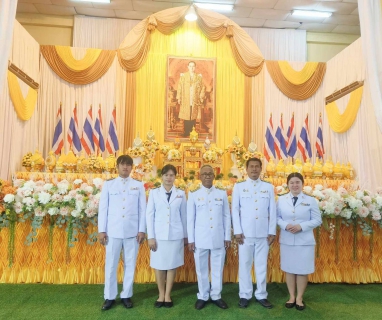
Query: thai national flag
[280, 141]
[269, 144]
[98, 136]
[73, 136]
[112, 144]
[87, 134]
[292, 141]
[58, 137]
[320, 140]
[304, 141]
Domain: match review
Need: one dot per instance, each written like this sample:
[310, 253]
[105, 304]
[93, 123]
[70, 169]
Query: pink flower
[367, 199]
[79, 197]
[363, 212]
[322, 204]
[64, 211]
[72, 193]
[57, 197]
[18, 207]
[40, 183]
[337, 211]
[376, 215]
[39, 212]
[342, 191]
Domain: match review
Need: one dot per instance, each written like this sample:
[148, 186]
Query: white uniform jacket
[166, 220]
[305, 213]
[122, 208]
[254, 209]
[208, 218]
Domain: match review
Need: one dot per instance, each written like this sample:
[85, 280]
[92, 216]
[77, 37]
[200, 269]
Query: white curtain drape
[17, 137]
[106, 33]
[7, 19]
[101, 33]
[370, 14]
[277, 103]
[275, 44]
[362, 143]
[107, 91]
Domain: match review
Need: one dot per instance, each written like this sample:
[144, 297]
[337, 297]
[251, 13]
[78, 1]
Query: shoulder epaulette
[110, 179]
[307, 194]
[282, 194]
[220, 187]
[194, 188]
[155, 187]
[241, 180]
[266, 181]
[136, 179]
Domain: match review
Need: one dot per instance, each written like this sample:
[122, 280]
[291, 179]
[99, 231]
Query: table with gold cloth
[340, 256]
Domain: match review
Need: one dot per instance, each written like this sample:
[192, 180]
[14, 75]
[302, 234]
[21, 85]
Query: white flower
[75, 213]
[9, 198]
[83, 186]
[308, 189]
[354, 203]
[379, 200]
[64, 211]
[89, 189]
[318, 194]
[18, 207]
[57, 197]
[77, 181]
[337, 211]
[363, 212]
[372, 207]
[48, 186]
[279, 189]
[318, 187]
[80, 205]
[53, 211]
[24, 192]
[79, 197]
[39, 212]
[98, 182]
[67, 198]
[63, 187]
[29, 185]
[97, 196]
[346, 213]
[376, 215]
[44, 197]
[72, 193]
[342, 191]
[40, 183]
[29, 202]
[359, 194]
[367, 199]
[18, 183]
[329, 208]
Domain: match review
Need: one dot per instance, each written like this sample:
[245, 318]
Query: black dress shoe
[220, 303]
[290, 305]
[158, 304]
[300, 308]
[107, 304]
[127, 303]
[200, 304]
[243, 303]
[265, 303]
[168, 304]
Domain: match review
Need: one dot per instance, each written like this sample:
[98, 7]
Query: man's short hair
[254, 159]
[192, 62]
[125, 159]
[206, 165]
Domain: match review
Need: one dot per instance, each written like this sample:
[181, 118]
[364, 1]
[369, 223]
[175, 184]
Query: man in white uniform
[121, 225]
[254, 223]
[209, 234]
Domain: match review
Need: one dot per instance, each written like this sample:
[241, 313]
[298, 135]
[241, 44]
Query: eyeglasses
[210, 174]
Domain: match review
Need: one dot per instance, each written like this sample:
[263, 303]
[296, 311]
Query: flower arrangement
[212, 155]
[174, 155]
[238, 150]
[136, 152]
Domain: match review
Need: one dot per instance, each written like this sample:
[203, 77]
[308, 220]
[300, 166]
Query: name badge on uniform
[218, 199]
[179, 196]
[305, 204]
[264, 191]
[245, 190]
[200, 199]
[134, 188]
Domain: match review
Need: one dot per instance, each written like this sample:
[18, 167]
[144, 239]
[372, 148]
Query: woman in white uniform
[167, 233]
[297, 215]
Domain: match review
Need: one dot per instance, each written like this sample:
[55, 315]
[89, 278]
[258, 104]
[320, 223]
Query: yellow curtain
[298, 77]
[342, 122]
[151, 83]
[24, 107]
[299, 91]
[66, 55]
[134, 49]
[87, 70]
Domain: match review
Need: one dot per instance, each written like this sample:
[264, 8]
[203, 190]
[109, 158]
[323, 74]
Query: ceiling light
[191, 14]
[98, 1]
[215, 6]
[317, 14]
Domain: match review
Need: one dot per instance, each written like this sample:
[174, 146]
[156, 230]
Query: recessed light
[215, 6]
[191, 14]
[98, 1]
[304, 13]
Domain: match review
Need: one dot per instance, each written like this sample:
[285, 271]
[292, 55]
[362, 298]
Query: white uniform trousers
[113, 252]
[202, 271]
[253, 249]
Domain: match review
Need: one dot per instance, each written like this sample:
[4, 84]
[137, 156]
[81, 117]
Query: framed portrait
[190, 98]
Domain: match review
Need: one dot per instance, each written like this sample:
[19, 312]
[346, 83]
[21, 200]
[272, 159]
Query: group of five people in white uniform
[203, 223]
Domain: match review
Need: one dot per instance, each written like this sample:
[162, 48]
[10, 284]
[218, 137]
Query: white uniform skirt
[297, 259]
[169, 255]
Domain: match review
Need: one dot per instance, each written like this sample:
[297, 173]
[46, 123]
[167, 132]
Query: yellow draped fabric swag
[24, 107]
[297, 85]
[84, 71]
[151, 89]
[341, 123]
